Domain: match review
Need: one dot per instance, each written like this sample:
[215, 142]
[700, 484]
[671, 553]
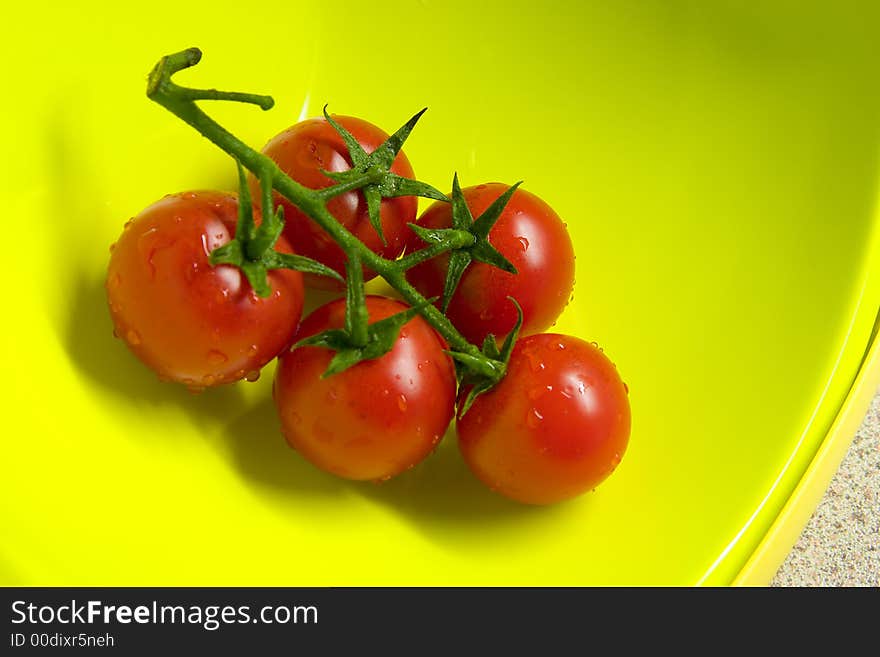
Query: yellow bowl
[716, 164]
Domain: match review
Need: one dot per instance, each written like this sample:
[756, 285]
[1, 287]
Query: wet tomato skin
[555, 427]
[190, 322]
[377, 418]
[532, 237]
[302, 152]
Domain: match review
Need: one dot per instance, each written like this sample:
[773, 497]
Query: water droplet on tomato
[178, 219]
[116, 281]
[253, 349]
[189, 273]
[537, 392]
[239, 374]
[535, 363]
[595, 344]
[112, 246]
[216, 357]
[252, 375]
[128, 223]
[209, 379]
[533, 418]
[188, 195]
[625, 387]
[523, 243]
[133, 337]
[115, 332]
[485, 314]
[401, 403]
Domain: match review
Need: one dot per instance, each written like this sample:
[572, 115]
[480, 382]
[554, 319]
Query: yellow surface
[716, 164]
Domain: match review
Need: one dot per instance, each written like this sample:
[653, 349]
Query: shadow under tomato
[109, 364]
[76, 298]
[440, 497]
[263, 458]
[441, 493]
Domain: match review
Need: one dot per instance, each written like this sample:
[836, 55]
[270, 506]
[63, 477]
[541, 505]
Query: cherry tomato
[554, 427]
[190, 322]
[532, 237]
[302, 152]
[377, 418]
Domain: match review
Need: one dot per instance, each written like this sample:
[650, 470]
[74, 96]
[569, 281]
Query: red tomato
[377, 418]
[532, 237]
[310, 146]
[554, 427]
[190, 322]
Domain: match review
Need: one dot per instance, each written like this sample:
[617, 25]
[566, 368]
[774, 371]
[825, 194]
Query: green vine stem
[356, 317]
[181, 102]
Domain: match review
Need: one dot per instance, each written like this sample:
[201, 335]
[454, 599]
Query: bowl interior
[715, 164]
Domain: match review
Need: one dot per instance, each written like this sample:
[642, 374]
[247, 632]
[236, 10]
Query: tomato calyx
[377, 165]
[359, 340]
[472, 373]
[378, 340]
[478, 248]
[252, 248]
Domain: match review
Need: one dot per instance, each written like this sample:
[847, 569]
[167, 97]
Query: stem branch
[180, 101]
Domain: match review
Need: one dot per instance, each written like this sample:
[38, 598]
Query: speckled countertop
[840, 546]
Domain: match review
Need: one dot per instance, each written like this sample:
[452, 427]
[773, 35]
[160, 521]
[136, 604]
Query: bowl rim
[785, 530]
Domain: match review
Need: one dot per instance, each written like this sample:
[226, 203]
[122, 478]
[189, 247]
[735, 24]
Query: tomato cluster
[554, 426]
